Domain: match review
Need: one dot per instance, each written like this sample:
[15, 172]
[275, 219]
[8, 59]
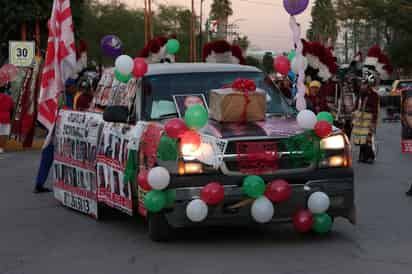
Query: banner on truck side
[76, 140]
[112, 157]
[406, 118]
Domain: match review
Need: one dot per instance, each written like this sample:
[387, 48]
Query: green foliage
[390, 20]
[221, 10]
[324, 22]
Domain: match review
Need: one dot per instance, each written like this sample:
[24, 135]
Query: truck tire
[159, 228]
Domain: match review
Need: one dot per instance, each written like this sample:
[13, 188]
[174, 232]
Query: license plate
[73, 201]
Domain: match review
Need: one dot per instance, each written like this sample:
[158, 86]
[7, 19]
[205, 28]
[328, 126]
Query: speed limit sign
[21, 53]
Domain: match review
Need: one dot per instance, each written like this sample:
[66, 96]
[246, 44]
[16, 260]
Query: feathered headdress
[378, 61]
[155, 51]
[221, 51]
[321, 61]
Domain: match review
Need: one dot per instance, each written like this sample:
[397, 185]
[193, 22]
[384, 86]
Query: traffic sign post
[21, 53]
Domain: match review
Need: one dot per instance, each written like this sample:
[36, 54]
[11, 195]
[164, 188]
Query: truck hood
[274, 127]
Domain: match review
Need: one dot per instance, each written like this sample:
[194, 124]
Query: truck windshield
[158, 91]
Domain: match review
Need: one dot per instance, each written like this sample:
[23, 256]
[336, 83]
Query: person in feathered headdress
[221, 51]
[376, 66]
[321, 68]
[155, 51]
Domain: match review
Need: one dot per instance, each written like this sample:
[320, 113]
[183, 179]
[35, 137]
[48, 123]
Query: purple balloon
[111, 46]
[294, 7]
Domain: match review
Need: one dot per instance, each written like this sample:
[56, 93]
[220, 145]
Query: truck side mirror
[116, 114]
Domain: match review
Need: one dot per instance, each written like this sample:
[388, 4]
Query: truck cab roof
[179, 68]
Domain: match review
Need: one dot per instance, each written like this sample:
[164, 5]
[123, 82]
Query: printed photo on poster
[407, 114]
[185, 101]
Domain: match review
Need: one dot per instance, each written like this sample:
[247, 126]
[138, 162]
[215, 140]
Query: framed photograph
[184, 101]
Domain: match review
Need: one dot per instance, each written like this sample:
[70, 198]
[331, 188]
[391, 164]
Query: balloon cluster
[186, 129]
[315, 217]
[321, 123]
[262, 209]
[210, 195]
[157, 179]
[299, 64]
[8, 73]
[126, 67]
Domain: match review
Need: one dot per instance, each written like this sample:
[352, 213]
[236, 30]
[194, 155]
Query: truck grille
[266, 156]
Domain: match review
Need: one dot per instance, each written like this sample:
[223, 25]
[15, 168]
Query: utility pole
[200, 28]
[192, 34]
[145, 23]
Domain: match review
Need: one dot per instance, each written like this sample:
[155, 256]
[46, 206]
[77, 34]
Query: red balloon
[278, 191]
[190, 141]
[212, 193]
[282, 65]
[303, 221]
[174, 128]
[323, 129]
[140, 67]
[142, 180]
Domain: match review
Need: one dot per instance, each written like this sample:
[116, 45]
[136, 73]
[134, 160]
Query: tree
[16, 14]
[267, 62]
[324, 24]
[220, 11]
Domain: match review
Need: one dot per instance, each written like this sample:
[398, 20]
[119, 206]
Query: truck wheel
[159, 228]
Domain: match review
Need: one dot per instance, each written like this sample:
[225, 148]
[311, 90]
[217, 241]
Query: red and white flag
[59, 65]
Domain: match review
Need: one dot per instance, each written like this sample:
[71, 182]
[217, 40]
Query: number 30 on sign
[21, 53]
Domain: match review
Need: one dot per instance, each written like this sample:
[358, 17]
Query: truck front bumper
[337, 183]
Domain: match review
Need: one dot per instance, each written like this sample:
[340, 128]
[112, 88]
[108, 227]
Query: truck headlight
[333, 143]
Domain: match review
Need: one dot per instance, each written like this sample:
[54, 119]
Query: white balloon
[124, 64]
[196, 210]
[306, 119]
[262, 210]
[158, 178]
[297, 63]
[318, 202]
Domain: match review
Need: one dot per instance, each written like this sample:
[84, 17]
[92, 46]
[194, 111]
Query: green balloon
[322, 223]
[167, 149]
[121, 77]
[291, 55]
[170, 197]
[196, 117]
[155, 200]
[172, 46]
[253, 186]
[325, 116]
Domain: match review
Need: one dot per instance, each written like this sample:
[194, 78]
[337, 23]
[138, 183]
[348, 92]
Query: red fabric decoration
[244, 86]
[150, 142]
[324, 54]
[257, 157]
[383, 59]
[153, 46]
[222, 46]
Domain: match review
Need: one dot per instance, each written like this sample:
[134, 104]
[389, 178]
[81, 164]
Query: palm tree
[324, 22]
[220, 11]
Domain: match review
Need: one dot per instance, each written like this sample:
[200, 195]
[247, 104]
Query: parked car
[333, 174]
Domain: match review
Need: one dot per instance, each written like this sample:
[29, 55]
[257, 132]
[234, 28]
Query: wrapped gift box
[231, 105]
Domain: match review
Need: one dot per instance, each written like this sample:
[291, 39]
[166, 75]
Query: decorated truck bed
[156, 152]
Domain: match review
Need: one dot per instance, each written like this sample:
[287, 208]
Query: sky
[265, 22]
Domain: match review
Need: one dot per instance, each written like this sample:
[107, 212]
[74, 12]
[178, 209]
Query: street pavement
[38, 235]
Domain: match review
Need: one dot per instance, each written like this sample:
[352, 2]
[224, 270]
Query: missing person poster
[111, 163]
[76, 140]
[406, 118]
